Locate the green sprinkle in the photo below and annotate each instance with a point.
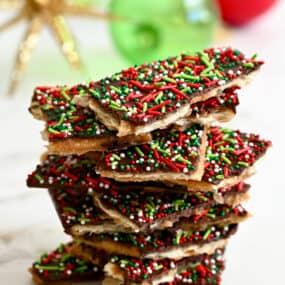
(185, 90)
(201, 197)
(64, 257)
(185, 76)
(218, 74)
(226, 130)
(46, 107)
(254, 56)
(220, 176)
(65, 95)
(177, 238)
(204, 58)
(124, 261)
(82, 92)
(95, 93)
(83, 219)
(178, 204)
(212, 156)
(114, 164)
(211, 215)
(61, 120)
(226, 136)
(158, 267)
(207, 233)
(226, 160)
(168, 79)
(230, 140)
(159, 83)
(114, 103)
(206, 71)
(82, 268)
(188, 69)
(230, 149)
(243, 163)
(181, 159)
(50, 267)
(68, 209)
(53, 131)
(38, 177)
(158, 97)
(187, 234)
(166, 152)
(163, 109)
(144, 107)
(248, 65)
(118, 108)
(139, 151)
(115, 156)
(116, 89)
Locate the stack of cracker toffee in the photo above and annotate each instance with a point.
(147, 187)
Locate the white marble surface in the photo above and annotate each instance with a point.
(28, 224)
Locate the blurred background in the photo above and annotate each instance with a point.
(93, 38)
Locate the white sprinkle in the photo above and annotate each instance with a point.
(185, 170)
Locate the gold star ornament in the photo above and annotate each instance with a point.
(45, 12)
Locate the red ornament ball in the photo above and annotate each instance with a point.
(241, 12)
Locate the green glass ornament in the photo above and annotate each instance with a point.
(153, 29)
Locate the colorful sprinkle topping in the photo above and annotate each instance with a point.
(164, 239)
(79, 172)
(228, 99)
(65, 119)
(75, 171)
(230, 152)
(147, 92)
(66, 171)
(146, 269)
(175, 151)
(215, 213)
(75, 207)
(141, 269)
(61, 265)
(206, 272)
(148, 208)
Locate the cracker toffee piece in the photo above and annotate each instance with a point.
(145, 212)
(218, 215)
(221, 108)
(162, 244)
(154, 95)
(79, 172)
(230, 158)
(71, 129)
(199, 269)
(75, 171)
(172, 154)
(60, 267)
(78, 214)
